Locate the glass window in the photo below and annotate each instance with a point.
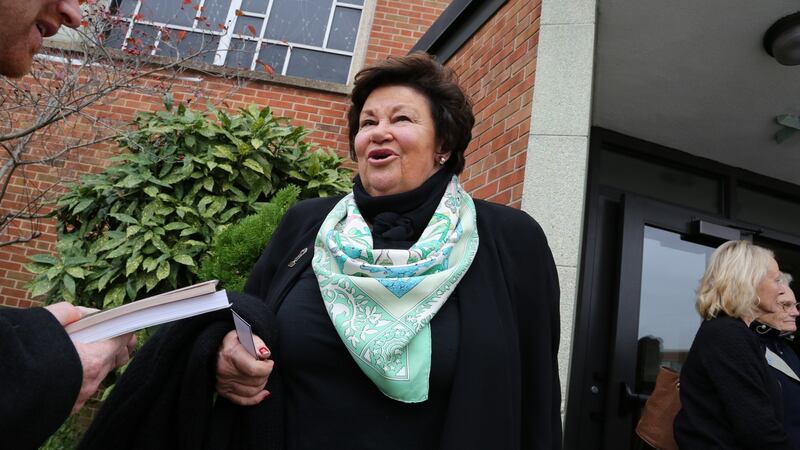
(668, 320)
(344, 29)
(299, 21)
(272, 55)
(319, 65)
(182, 44)
(240, 54)
(303, 38)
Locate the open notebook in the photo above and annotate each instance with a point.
(147, 312)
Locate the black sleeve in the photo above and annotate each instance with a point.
(40, 375)
(735, 360)
(534, 286)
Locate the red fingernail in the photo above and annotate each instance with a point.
(268, 394)
(263, 350)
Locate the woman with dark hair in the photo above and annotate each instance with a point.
(406, 314)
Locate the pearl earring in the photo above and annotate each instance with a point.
(442, 160)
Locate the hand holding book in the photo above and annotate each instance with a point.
(167, 307)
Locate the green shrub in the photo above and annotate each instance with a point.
(66, 437)
(236, 248)
(142, 226)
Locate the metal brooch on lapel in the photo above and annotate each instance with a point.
(297, 258)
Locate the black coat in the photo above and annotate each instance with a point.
(506, 392)
(790, 388)
(165, 399)
(40, 377)
(505, 395)
(729, 398)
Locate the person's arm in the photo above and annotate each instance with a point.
(239, 377)
(533, 282)
(736, 363)
(40, 376)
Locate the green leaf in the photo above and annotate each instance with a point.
(69, 284)
(119, 251)
(159, 244)
(131, 181)
(149, 264)
(76, 272)
(176, 226)
(40, 287)
(152, 191)
(101, 285)
(124, 218)
(223, 151)
(189, 140)
(227, 215)
(163, 270)
(132, 264)
(188, 231)
(82, 205)
(53, 272)
(132, 230)
(150, 281)
(253, 165)
(36, 268)
(184, 259)
(114, 297)
(226, 168)
(43, 258)
(256, 143)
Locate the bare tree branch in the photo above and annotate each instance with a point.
(62, 108)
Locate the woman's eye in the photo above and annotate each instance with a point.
(402, 119)
(366, 123)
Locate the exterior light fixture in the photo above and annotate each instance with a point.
(782, 40)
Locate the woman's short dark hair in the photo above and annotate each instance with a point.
(450, 107)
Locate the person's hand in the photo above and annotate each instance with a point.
(240, 377)
(97, 358)
(65, 313)
(100, 358)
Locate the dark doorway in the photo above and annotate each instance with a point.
(654, 216)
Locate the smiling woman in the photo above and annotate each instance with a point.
(396, 144)
(422, 319)
(33, 20)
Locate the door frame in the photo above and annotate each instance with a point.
(589, 389)
(639, 212)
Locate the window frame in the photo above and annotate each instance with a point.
(227, 35)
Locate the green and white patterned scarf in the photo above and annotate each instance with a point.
(382, 301)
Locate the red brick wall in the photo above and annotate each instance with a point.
(397, 27)
(496, 68)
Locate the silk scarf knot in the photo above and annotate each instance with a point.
(381, 301)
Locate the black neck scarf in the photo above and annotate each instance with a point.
(398, 220)
(766, 330)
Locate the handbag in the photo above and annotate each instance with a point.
(658, 415)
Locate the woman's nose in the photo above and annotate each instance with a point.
(70, 12)
(380, 133)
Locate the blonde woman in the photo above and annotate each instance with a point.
(729, 397)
